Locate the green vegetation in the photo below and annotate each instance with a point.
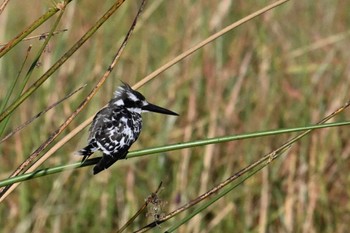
(287, 68)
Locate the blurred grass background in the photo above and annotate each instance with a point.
(287, 68)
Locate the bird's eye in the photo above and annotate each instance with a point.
(139, 104)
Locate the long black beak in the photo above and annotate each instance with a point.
(154, 108)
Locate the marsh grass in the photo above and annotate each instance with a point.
(269, 73)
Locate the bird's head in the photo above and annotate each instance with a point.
(134, 101)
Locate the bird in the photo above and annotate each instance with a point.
(117, 126)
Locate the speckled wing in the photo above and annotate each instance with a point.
(114, 130)
(95, 126)
(97, 122)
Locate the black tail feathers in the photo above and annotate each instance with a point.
(107, 160)
(86, 151)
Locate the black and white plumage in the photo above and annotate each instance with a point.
(116, 127)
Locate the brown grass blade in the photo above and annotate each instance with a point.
(40, 114)
(268, 158)
(8, 189)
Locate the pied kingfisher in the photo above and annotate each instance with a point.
(116, 127)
